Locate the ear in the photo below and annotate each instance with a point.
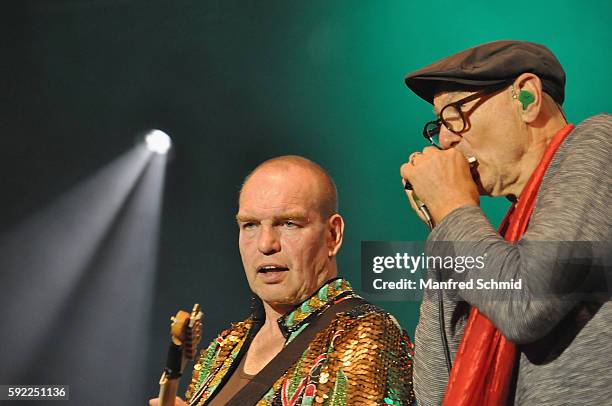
(335, 234)
(529, 103)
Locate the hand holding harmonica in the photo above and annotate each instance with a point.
(438, 182)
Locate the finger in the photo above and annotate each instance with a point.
(414, 156)
(410, 156)
(430, 150)
(459, 156)
(154, 402)
(405, 171)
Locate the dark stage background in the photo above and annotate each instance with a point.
(234, 83)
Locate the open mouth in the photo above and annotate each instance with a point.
(271, 268)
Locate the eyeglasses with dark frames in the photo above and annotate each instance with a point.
(453, 118)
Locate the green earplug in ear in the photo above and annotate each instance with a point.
(526, 98)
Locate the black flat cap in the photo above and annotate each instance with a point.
(490, 64)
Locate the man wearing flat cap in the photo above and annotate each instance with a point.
(539, 331)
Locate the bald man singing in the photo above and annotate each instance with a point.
(310, 339)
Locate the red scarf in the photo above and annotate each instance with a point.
(484, 363)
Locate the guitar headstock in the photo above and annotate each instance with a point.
(194, 332)
(186, 332)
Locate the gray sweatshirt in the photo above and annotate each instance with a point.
(563, 332)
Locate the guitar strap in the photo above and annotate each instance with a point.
(289, 355)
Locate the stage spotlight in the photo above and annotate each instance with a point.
(158, 141)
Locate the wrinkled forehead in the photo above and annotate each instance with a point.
(445, 98)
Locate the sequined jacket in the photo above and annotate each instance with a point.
(362, 358)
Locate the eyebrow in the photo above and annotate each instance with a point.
(446, 99)
(300, 216)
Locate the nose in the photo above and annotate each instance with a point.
(268, 242)
(448, 139)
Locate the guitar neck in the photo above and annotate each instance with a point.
(167, 391)
(169, 381)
